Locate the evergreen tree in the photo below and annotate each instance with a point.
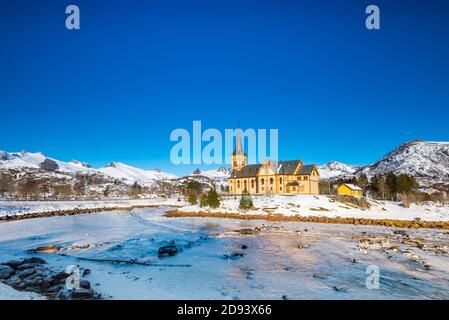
(212, 198)
(194, 186)
(363, 182)
(192, 198)
(246, 202)
(391, 182)
(203, 200)
(406, 184)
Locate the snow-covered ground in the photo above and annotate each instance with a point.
(8, 293)
(324, 206)
(301, 205)
(29, 207)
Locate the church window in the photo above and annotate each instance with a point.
(271, 180)
(252, 183)
(306, 178)
(280, 180)
(238, 184)
(262, 181)
(245, 184)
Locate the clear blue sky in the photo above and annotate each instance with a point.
(114, 90)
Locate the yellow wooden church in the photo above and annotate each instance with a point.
(271, 177)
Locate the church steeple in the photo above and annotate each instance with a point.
(238, 156)
(238, 142)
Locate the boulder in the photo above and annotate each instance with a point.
(60, 276)
(25, 266)
(84, 284)
(34, 260)
(6, 272)
(168, 250)
(26, 273)
(82, 294)
(13, 263)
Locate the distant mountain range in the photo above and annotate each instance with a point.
(44, 165)
(427, 161)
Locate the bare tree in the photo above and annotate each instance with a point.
(29, 188)
(80, 185)
(63, 191)
(6, 185)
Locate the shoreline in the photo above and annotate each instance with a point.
(72, 212)
(391, 223)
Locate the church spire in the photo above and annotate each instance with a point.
(238, 156)
(238, 141)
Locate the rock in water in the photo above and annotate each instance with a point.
(168, 250)
(45, 249)
(86, 272)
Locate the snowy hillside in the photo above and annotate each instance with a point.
(427, 161)
(14, 160)
(52, 167)
(130, 174)
(218, 177)
(334, 169)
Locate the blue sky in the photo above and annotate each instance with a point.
(114, 90)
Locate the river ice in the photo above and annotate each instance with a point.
(235, 259)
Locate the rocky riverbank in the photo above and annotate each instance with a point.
(71, 212)
(34, 275)
(411, 224)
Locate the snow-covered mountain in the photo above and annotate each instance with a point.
(427, 161)
(215, 177)
(130, 174)
(335, 169)
(14, 160)
(52, 167)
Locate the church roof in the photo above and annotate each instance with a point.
(307, 169)
(287, 167)
(250, 170)
(280, 167)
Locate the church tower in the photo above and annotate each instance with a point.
(238, 156)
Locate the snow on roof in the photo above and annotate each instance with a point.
(352, 186)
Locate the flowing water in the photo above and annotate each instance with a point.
(236, 259)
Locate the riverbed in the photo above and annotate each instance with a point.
(221, 258)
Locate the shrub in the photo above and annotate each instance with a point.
(246, 202)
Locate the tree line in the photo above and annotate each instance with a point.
(32, 187)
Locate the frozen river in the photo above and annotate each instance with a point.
(236, 259)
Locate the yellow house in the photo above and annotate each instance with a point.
(350, 190)
(271, 177)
